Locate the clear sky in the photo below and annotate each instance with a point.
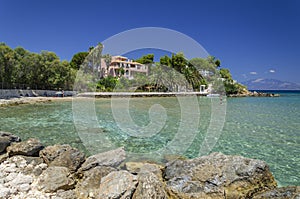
(253, 38)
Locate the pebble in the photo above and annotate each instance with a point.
(10, 177)
(4, 192)
(17, 179)
(24, 187)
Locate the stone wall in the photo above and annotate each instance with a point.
(13, 93)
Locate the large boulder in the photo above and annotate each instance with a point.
(30, 147)
(88, 186)
(110, 158)
(6, 139)
(218, 176)
(280, 193)
(55, 178)
(118, 184)
(64, 156)
(149, 187)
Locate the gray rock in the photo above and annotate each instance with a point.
(64, 156)
(280, 193)
(218, 175)
(24, 187)
(49, 153)
(33, 160)
(110, 158)
(38, 169)
(10, 177)
(61, 194)
(149, 187)
(6, 139)
(118, 185)
(136, 167)
(88, 186)
(10, 168)
(30, 147)
(4, 192)
(3, 157)
(20, 179)
(55, 178)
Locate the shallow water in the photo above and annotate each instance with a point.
(262, 128)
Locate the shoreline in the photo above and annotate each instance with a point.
(31, 170)
(15, 101)
(31, 100)
(139, 94)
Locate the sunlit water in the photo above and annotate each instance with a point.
(262, 128)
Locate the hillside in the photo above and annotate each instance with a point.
(270, 84)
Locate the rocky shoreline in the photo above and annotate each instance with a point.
(31, 100)
(254, 94)
(30, 170)
(36, 100)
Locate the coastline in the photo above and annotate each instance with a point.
(14, 101)
(31, 100)
(31, 170)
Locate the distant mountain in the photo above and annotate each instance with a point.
(270, 84)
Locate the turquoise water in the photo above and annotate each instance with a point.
(263, 128)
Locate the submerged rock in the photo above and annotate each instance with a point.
(30, 147)
(6, 139)
(64, 156)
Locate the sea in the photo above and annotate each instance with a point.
(265, 128)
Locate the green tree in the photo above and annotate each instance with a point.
(203, 64)
(146, 59)
(178, 62)
(8, 62)
(107, 84)
(225, 73)
(165, 61)
(37, 71)
(212, 60)
(78, 59)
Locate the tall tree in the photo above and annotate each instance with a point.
(165, 61)
(78, 59)
(8, 61)
(146, 59)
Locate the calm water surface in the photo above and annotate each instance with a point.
(263, 128)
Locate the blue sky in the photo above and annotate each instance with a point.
(253, 38)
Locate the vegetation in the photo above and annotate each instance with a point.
(21, 68)
(146, 59)
(231, 87)
(78, 59)
(44, 70)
